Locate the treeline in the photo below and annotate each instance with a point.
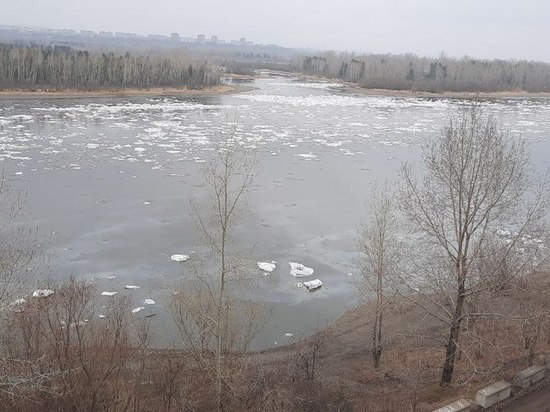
(65, 67)
(410, 72)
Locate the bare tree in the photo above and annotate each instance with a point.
(410, 72)
(309, 352)
(379, 248)
(19, 246)
(476, 180)
(209, 317)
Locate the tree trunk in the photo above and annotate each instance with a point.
(448, 367)
(377, 339)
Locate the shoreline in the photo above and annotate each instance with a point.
(225, 89)
(355, 88)
(39, 93)
(445, 95)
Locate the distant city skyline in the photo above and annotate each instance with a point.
(486, 29)
(181, 36)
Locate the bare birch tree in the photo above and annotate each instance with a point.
(378, 244)
(476, 181)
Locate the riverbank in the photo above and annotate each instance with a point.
(414, 351)
(518, 94)
(39, 93)
(355, 88)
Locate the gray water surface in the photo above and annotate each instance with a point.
(108, 181)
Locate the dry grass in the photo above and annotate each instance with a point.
(331, 370)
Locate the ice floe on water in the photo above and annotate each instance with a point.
(42, 293)
(64, 324)
(313, 284)
(307, 156)
(522, 242)
(107, 293)
(131, 287)
(319, 85)
(164, 131)
(179, 258)
(138, 309)
(267, 266)
(19, 301)
(298, 270)
(149, 302)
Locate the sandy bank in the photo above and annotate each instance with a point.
(39, 93)
(518, 94)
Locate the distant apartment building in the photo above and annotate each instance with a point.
(214, 39)
(175, 37)
(159, 38)
(201, 38)
(241, 42)
(64, 32)
(122, 35)
(106, 33)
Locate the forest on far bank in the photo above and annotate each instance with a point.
(410, 72)
(63, 67)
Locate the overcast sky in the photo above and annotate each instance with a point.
(479, 28)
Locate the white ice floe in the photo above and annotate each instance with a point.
(307, 156)
(108, 293)
(502, 232)
(298, 270)
(266, 266)
(42, 293)
(138, 309)
(149, 302)
(313, 284)
(76, 324)
(289, 335)
(131, 287)
(101, 316)
(179, 258)
(18, 302)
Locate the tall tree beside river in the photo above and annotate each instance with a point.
(476, 183)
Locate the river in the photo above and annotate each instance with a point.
(108, 183)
